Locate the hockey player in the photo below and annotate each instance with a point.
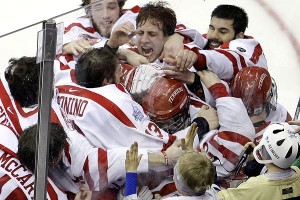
(16, 181)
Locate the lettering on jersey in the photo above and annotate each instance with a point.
(271, 148)
(3, 117)
(14, 168)
(261, 80)
(73, 106)
(137, 114)
(241, 49)
(174, 94)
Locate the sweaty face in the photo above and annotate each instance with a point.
(105, 13)
(220, 31)
(150, 40)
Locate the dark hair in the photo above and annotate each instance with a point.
(27, 145)
(157, 12)
(239, 16)
(22, 76)
(95, 66)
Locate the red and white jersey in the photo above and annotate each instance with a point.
(82, 27)
(225, 145)
(11, 112)
(108, 116)
(16, 181)
(231, 57)
(84, 163)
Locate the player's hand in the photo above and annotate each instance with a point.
(211, 116)
(132, 158)
(184, 59)
(121, 34)
(174, 152)
(208, 78)
(185, 76)
(296, 122)
(77, 47)
(133, 58)
(188, 141)
(172, 46)
(84, 194)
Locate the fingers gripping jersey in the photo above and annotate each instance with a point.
(17, 182)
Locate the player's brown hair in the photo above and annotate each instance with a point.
(159, 15)
(95, 66)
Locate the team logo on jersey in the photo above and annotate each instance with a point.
(137, 114)
(241, 49)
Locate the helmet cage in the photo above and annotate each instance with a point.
(175, 123)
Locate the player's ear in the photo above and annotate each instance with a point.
(240, 35)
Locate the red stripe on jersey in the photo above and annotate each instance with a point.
(73, 77)
(18, 194)
(243, 62)
(10, 111)
(197, 104)
(231, 58)
(67, 152)
(23, 113)
(88, 177)
(3, 180)
(218, 90)
(167, 189)
(51, 192)
(256, 54)
(121, 87)
(135, 9)
(54, 117)
(99, 99)
(8, 151)
(103, 167)
(79, 25)
(232, 137)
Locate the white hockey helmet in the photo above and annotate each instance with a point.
(279, 145)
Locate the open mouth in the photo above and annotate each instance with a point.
(147, 51)
(214, 44)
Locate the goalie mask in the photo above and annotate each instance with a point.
(167, 103)
(279, 145)
(256, 88)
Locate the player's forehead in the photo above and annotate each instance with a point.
(221, 23)
(150, 26)
(104, 2)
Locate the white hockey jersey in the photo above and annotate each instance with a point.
(108, 116)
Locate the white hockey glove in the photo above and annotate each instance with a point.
(139, 80)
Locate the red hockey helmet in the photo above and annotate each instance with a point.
(167, 103)
(256, 88)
